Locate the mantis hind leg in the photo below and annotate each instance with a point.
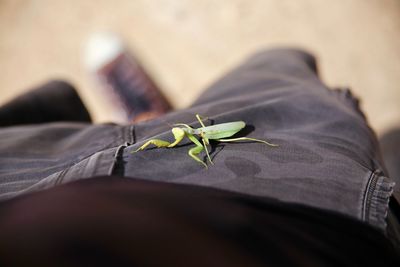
(246, 139)
(206, 149)
(193, 152)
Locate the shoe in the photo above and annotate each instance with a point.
(131, 91)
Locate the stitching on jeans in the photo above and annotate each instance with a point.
(365, 209)
(117, 156)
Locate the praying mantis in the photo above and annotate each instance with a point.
(217, 132)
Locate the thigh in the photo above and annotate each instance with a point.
(326, 155)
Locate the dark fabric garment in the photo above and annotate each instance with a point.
(45, 136)
(51, 102)
(327, 156)
(111, 221)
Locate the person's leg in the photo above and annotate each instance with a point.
(327, 156)
(53, 101)
(269, 69)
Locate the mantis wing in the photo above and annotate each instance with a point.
(222, 130)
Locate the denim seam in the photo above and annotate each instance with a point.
(109, 145)
(117, 157)
(125, 134)
(376, 200)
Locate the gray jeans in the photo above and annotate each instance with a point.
(327, 156)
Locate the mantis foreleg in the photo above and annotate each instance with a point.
(157, 142)
(178, 133)
(183, 124)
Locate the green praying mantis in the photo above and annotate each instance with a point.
(217, 132)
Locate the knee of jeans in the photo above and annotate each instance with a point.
(284, 56)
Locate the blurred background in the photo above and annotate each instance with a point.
(188, 44)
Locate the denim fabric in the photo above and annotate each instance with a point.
(327, 155)
(40, 156)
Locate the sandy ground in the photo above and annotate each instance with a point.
(187, 44)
